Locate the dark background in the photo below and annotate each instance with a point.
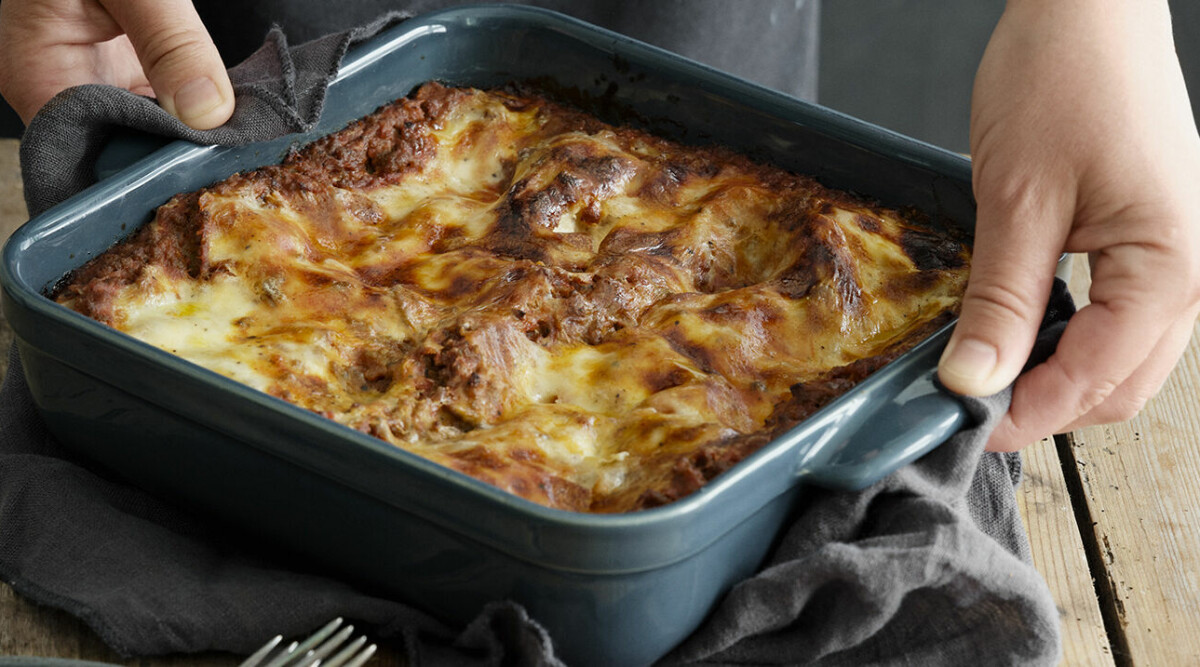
(908, 64)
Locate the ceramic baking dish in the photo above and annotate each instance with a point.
(611, 589)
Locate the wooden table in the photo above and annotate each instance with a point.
(1109, 511)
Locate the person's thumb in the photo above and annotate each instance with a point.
(1017, 242)
(180, 60)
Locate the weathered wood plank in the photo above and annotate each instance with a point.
(1058, 554)
(12, 201)
(1141, 482)
(12, 215)
(26, 629)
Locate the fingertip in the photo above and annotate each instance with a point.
(970, 366)
(179, 58)
(200, 103)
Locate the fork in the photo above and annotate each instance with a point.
(312, 651)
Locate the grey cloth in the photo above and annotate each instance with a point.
(278, 89)
(928, 567)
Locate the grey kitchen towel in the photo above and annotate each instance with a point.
(927, 567)
(279, 89)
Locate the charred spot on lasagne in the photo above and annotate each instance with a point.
(587, 316)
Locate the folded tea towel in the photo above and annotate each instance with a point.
(930, 566)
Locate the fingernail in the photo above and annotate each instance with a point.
(196, 99)
(970, 363)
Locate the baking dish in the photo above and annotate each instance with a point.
(611, 589)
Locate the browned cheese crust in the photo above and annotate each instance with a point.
(587, 316)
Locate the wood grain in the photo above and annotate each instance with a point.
(1058, 554)
(1140, 482)
(27, 629)
(12, 201)
(12, 215)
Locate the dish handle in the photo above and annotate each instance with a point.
(894, 422)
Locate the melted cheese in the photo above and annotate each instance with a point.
(587, 316)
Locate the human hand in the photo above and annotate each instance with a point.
(151, 47)
(1083, 140)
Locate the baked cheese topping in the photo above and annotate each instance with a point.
(585, 315)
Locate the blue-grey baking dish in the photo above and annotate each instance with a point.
(611, 589)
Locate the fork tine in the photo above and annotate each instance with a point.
(344, 654)
(261, 653)
(328, 647)
(304, 647)
(362, 657)
(312, 651)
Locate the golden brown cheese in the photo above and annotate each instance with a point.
(587, 316)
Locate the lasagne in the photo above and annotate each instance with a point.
(585, 315)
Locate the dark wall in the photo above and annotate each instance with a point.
(1185, 16)
(908, 65)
